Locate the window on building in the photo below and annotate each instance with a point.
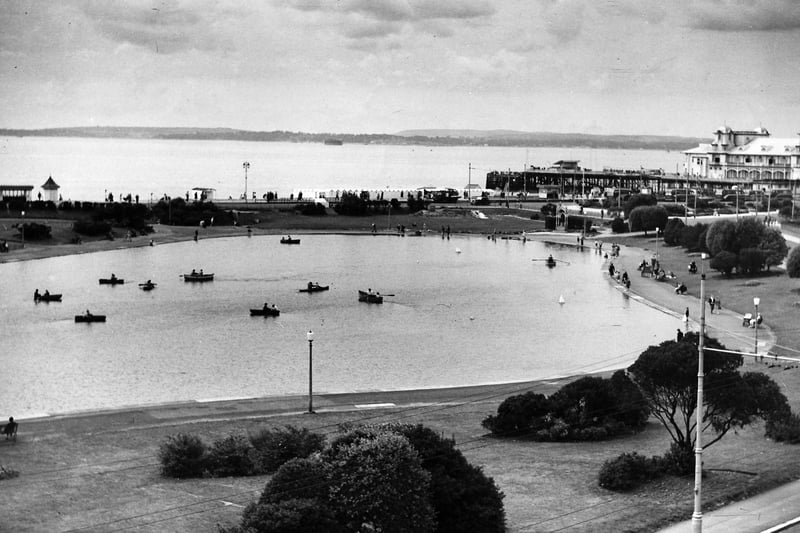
(747, 160)
(716, 159)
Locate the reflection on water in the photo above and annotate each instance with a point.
(487, 314)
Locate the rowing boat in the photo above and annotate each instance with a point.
(370, 297)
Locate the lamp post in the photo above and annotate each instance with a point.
(22, 228)
(756, 301)
(245, 165)
(657, 229)
(697, 515)
(310, 337)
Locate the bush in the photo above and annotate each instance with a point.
(91, 228)
(183, 456)
(793, 263)
(784, 428)
(304, 478)
(678, 461)
(311, 209)
(273, 447)
(231, 456)
(287, 516)
(618, 225)
(463, 497)
(34, 231)
(626, 472)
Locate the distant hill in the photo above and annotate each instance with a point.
(407, 137)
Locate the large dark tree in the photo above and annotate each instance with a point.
(667, 376)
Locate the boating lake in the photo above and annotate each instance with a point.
(485, 315)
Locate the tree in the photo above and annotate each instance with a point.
(667, 376)
(751, 260)
(380, 483)
(637, 200)
(721, 236)
(644, 218)
(724, 262)
(673, 230)
(773, 246)
(749, 231)
(520, 414)
(793, 264)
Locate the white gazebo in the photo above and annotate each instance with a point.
(50, 189)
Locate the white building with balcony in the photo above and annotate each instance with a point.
(750, 159)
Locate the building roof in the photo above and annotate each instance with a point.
(50, 185)
(758, 146)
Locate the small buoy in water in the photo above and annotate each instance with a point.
(458, 250)
(472, 318)
(561, 299)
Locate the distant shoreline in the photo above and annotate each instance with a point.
(492, 138)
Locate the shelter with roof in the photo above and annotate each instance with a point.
(15, 192)
(50, 188)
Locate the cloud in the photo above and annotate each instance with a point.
(401, 10)
(165, 26)
(744, 15)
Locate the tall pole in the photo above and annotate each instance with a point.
(22, 229)
(756, 301)
(657, 244)
(469, 183)
(697, 516)
(310, 337)
(245, 165)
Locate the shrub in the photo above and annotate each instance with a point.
(519, 414)
(311, 209)
(626, 472)
(784, 428)
(678, 461)
(288, 516)
(273, 447)
(618, 225)
(304, 478)
(183, 456)
(91, 228)
(231, 456)
(793, 263)
(34, 231)
(463, 497)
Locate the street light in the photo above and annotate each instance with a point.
(245, 165)
(310, 337)
(697, 515)
(22, 229)
(756, 301)
(657, 243)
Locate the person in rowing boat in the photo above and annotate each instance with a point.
(113, 277)
(36, 295)
(194, 272)
(46, 293)
(88, 313)
(310, 285)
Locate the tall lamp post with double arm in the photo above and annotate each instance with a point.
(756, 301)
(245, 166)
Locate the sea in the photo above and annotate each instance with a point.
(89, 169)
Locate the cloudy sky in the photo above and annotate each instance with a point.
(681, 67)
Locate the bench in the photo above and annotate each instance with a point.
(647, 270)
(746, 319)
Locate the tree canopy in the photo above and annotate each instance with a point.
(667, 376)
(750, 243)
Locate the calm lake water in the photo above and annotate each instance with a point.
(487, 314)
(87, 168)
